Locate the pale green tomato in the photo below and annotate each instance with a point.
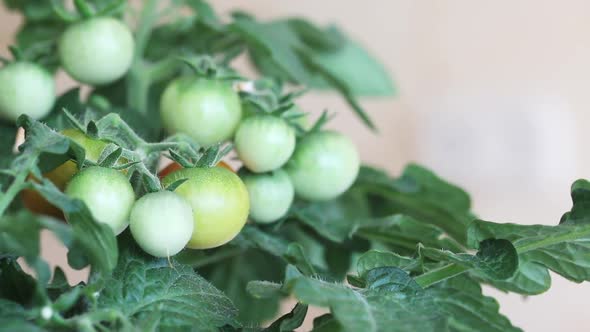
(93, 147)
(219, 200)
(207, 110)
(107, 193)
(324, 165)
(271, 195)
(97, 51)
(25, 88)
(161, 223)
(264, 142)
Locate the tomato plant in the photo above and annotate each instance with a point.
(219, 201)
(379, 252)
(207, 110)
(21, 83)
(96, 51)
(107, 193)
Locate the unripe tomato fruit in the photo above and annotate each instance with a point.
(107, 193)
(219, 200)
(97, 51)
(271, 195)
(207, 110)
(174, 166)
(25, 88)
(264, 142)
(161, 223)
(60, 175)
(324, 165)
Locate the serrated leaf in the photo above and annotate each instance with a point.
(564, 249)
(374, 258)
(403, 233)
(142, 286)
(15, 284)
(402, 308)
(290, 321)
(421, 194)
(496, 258)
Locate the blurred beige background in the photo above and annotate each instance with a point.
(493, 96)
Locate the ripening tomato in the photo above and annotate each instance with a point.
(25, 88)
(324, 165)
(207, 110)
(107, 193)
(174, 166)
(161, 223)
(219, 200)
(97, 51)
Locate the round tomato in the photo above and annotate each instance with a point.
(264, 142)
(25, 88)
(97, 51)
(107, 193)
(219, 200)
(324, 165)
(161, 223)
(271, 194)
(174, 166)
(207, 110)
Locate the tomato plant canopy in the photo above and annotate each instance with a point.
(214, 250)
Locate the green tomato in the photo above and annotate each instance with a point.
(97, 51)
(25, 88)
(219, 200)
(161, 223)
(93, 147)
(207, 110)
(264, 142)
(271, 195)
(324, 165)
(107, 193)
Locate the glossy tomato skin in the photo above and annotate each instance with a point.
(60, 176)
(264, 142)
(25, 88)
(174, 166)
(207, 110)
(219, 200)
(324, 165)
(97, 51)
(107, 193)
(161, 223)
(271, 195)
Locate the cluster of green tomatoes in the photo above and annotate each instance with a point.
(213, 204)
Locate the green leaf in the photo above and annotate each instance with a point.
(394, 302)
(421, 194)
(289, 321)
(564, 249)
(233, 275)
(142, 286)
(353, 65)
(496, 258)
(402, 234)
(374, 259)
(93, 242)
(335, 220)
(20, 236)
(15, 284)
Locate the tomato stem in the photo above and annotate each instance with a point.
(16, 186)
